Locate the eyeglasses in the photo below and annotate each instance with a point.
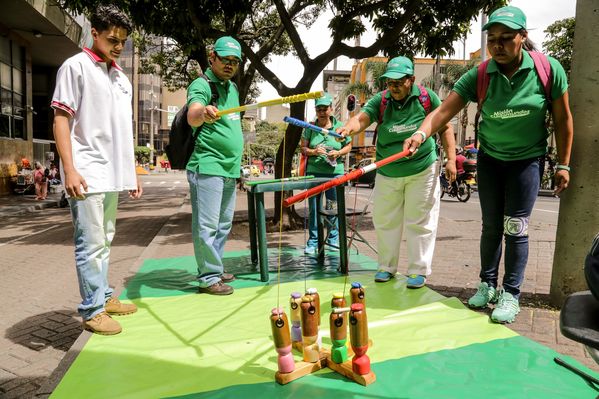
(228, 61)
(397, 83)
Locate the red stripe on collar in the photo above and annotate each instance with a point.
(96, 58)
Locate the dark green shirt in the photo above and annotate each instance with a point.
(512, 123)
(319, 164)
(400, 121)
(219, 146)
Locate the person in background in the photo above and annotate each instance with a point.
(406, 196)
(41, 182)
(323, 152)
(513, 140)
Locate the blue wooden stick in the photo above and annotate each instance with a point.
(306, 125)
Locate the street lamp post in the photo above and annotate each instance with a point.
(152, 108)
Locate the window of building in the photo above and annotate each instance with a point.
(12, 89)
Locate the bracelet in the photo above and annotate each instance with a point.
(420, 132)
(562, 167)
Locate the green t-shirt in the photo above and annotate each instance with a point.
(400, 122)
(219, 146)
(512, 123)
(319, 164)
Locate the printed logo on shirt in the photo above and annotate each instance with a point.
(402, 128)
(123, 89)
(233, 117)
(509, 114)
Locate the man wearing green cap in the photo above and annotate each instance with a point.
(323, 152)
(406, 196)
(513, 140)
(214, 166)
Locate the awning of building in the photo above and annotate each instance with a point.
(53, 34)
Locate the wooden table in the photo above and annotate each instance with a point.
(257, 220)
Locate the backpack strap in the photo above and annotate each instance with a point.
(482, 84)
(214, 96)
(382, 108)
(543, 68)
(424, 99)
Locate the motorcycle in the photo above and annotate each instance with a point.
(460, 188)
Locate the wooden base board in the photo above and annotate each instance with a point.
(304, 368)
(301, 369)
(346, 370)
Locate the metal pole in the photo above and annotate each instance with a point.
(483, 38)
(152, 121)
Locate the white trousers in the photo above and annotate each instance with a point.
(410, 203)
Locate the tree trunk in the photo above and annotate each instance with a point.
(578, 217)
(283, 165)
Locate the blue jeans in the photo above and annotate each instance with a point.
(330, 195)
(94, 220)
(507, 191)
(212, 207)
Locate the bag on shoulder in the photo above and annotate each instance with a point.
(181, 136)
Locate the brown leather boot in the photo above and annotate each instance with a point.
(102, 324)
(227, 277)
(217, 289)
(114, 307)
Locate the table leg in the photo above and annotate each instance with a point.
(252, 226)
(321, 243)
(343, 254)
(262, 247)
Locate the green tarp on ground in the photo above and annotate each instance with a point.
(181, 344)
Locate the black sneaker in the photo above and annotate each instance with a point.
(217, 289)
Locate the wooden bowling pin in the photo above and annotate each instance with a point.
(357, 293)
(280, 334)
(338, 326)
(358, 329)
(296, 316)
(310, 345)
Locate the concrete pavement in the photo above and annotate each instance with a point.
(40, 295)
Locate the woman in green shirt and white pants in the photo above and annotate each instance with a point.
(406, 196)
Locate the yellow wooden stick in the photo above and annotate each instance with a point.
(282, 100)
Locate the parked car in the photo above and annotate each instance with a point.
(367, 178)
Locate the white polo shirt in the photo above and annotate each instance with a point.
(99, 101)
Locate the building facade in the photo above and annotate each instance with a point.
(35, 38)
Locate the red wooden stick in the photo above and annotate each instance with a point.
(354, 174)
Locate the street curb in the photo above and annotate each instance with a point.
(16, 210)
(50, 385)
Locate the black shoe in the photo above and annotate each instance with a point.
(217, 289)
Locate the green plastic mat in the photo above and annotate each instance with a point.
(177, 276)
(424, 346)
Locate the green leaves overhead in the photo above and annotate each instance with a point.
(560, 41)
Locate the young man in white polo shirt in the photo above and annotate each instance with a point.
(93, 133)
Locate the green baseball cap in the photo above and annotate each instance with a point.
(325, 100)
(226, 46)
(510, 16)
(398, 67)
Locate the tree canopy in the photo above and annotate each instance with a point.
(269, 27)
(560, 42)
